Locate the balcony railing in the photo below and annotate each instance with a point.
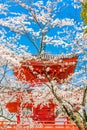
(59, 125)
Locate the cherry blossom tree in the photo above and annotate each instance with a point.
(41, 24)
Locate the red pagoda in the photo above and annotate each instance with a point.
(40, 70)
(36, 71)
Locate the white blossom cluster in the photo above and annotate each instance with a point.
(38, 25)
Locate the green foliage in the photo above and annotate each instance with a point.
(78, 118)
(84, 12)
(85, 30)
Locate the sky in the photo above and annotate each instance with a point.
(67, 12)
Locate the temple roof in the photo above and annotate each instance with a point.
(46, 56)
